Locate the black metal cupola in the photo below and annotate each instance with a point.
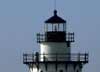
(55, 28)
(55, 23)
(55, 19)
(55, 31)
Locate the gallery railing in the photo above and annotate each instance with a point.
(43, 37)
(73, 57)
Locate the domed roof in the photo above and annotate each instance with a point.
(55, 19)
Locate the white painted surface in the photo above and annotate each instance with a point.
(51, 68)
(33, 69)
(54, 48)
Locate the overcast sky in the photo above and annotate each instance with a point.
(20, 20)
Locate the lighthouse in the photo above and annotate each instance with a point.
(55, 49)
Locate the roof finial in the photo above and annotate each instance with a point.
(55, 12)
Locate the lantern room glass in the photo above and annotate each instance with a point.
(54, 27)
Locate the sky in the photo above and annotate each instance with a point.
(20, 20)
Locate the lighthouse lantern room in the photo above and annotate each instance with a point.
(55, 49)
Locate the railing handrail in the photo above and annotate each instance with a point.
(42, 38)
(63, 57)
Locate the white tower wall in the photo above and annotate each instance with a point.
(51, 48)
(54, 47)
(51, 68)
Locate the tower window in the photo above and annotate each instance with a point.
(61, 71)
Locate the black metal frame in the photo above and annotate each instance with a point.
(69, 58)
(42, 37)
